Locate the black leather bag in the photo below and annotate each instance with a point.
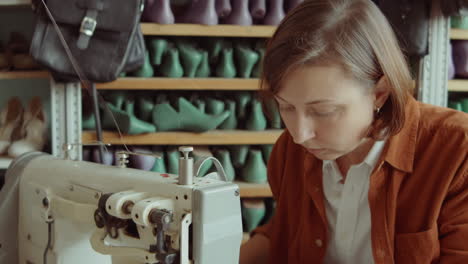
(453, 7)
(103, 38)
(410, 20)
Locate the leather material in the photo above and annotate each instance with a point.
(453, 7)
(115, 15)
(83, 40)
(136, 52)
(116, 44)
(410, 20)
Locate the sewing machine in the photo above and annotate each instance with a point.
(80, 212)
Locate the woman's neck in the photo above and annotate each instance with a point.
(354, 157)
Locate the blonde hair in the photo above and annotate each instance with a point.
(353, 34)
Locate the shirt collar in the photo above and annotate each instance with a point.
(370, 160)
(401, 147)
(333, 170)
(374, 153)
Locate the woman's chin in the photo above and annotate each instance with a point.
(323, 154)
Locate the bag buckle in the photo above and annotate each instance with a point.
(88, 25)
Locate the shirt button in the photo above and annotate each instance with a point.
(318, 242)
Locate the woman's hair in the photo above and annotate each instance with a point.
(352, 34)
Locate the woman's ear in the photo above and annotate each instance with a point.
(381, 91)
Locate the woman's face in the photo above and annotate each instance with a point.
(326, 112)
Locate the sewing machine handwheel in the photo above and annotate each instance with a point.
(113, 232)
(99, 219)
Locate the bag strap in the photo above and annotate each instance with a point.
(89, 22)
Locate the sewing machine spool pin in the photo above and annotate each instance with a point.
(185, 166)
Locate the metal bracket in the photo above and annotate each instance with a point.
(67, 148)
(184, 238)
(65, 119)
(433, 74)
(88, 25)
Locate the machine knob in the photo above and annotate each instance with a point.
(185, 150)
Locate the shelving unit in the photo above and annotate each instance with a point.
(151, 29)
(220, 137)
(5, 161)
(66, 98)
(217, 137)
(7, 3)
(458, 33)
(130, 83)
(252, 190)
(24, 75)
(458, 85)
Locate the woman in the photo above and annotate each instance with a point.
(363, 172)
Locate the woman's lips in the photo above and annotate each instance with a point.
(315, 151)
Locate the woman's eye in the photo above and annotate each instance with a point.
(323, 112)
(286, 108)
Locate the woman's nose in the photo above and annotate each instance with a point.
(303, 130)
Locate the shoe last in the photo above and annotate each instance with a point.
(10, 121)
(33, 128)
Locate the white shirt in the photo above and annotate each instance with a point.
(347, 209)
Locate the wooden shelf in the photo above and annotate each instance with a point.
(6, 3)
(5, 162)
(24, 75)
(252, 190)
(153, 29)
(245, 237)
(216, 137)
(456, 33)
(458, 85)
(135, 83)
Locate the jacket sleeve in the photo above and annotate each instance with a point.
(275, 177)
(453, 218)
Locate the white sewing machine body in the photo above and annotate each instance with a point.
(135, 210)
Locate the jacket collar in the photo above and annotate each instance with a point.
(401, 147)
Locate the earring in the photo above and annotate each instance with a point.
(377, 111)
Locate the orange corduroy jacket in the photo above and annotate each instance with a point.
(418, 195)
